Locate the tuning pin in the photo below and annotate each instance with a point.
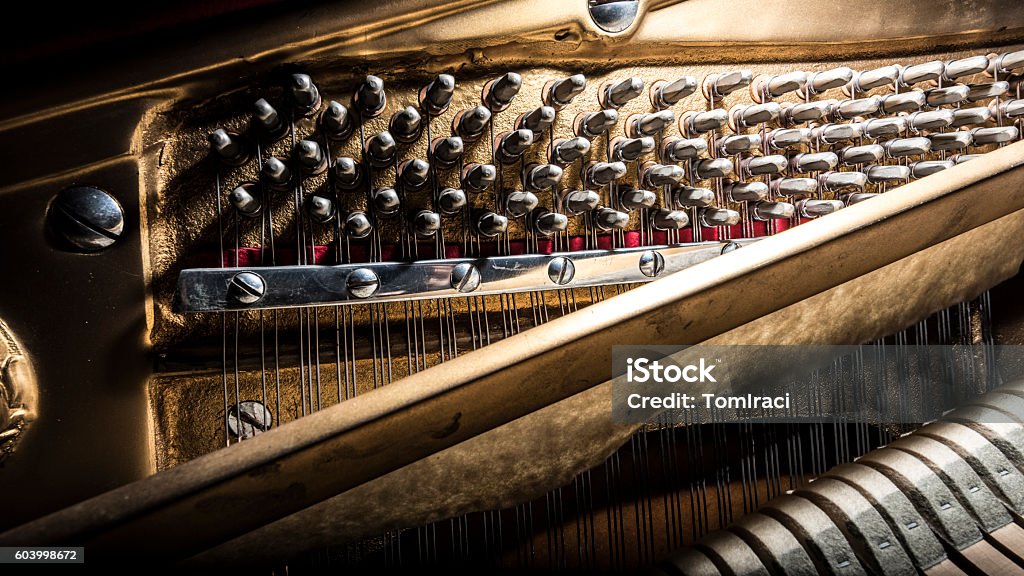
(988, 91)
(929, 167)
(794, 186)
(1010, 108)
(320, 209)
(949, 95)
(498, 93)
(347, 174)
(693, 124)
(711, 217)
(738, 144)
(451, 201)
(665, 94)
(1005, 63)
(836, 133)
(580, 201)
(385, 201)
(664, 219)
(870, 79)
(489, 224)
(559, 93)
(712, 168)
(744, 116)
(617, 94)
(961, 158)
(478, 177)
(763, 165)
(930, 120)
(424, 224)
(633, 198)
(887, 173)
(406, 125)
(773, 210)
(764, 88)
(814, 162)
(745, 191)
(970, 116)
(631, 149)
(446, 152)
(783, 138)
(565, 151)
(380, 149)
(593, 124)
(899, 147)
(509, 146)
(541, 176)
(471, 124)
(857, 197)
(903, 102)
(370, 98)
(601, 173)
(546, 222)
(818, 82)
(245, 199)
(414, 174)
(680, 149)
(965, 67)
(842, 181)
(305, 95)
(721, 85)
(228, 147)
(925, 72)
(275, 174)
(690, 196)
(268, 120)
(849, 109)
(868, 153)
(951, 140)
(995, 135)
(336, 122)
(437, 96)
(650, 124)
(310, 157)
(661, 174)
(607, 219)
(537, 120)
(879, 127)
(519, 202)
(358, 225)
(812, 208)
(806, 111)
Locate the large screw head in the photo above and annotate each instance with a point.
(561, 270)
(465, 277)
(255, 419)
(88, 218)
(247, 287)
(613, 15)
(362, 283)
(652, 263)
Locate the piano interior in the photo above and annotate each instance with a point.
(337, 288)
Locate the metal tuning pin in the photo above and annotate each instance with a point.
(681, 149)
(310, 157)
(370, 98)
(965, 67)
(542, 176)
(721, 85)
(608, 219)
(581, 201)
(970, 116)
(712, 168)
(690, 196)
(478, 177)
(245, 199)
(745, 191)
(879, 174)
(773, 210)
(818, 82)
(380, 149)
(806, 111)
(451, 201)
(414, 174)
(949, 95)
(665, 94)
(871, 79)
(994, 135)
(929, 167)
(744, 116)
(857, 197)
(650, 124)
(335, 122)
(763, 165)
(665, 219)
(519, 203)
(738, 144)
(1005, 63)
(498, 93)
(661, 174)
(275, 174)
(925, 72)
(602, 173)
(866, 154)
(471, 124)
(951, 141)
(617, 94)
(509, 146)
(812, 208)
(1009, 109)
(794, 186)
(693, 124)
(930, 120)
(385, 201)
(559, 93)
(850, 109)
(305, 95)
(320, 209)
(268, 121)
(711, 217)
(631, 149)
(842, 181)
(489, 224)
(546, 222)
(348, 175)
(814, 162)
(988, 91)
(565, 151)
(437, 96)
(635, 198)
(358, 225)
(900, 147)
(228, 147)
(836, 133)
(590, 125)
(880, 127)
(904, 102)
(425, 224)
(537, 120)
(783, 138)
(961, 158)
(406, 125)
(765, 88)
(446, 152)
